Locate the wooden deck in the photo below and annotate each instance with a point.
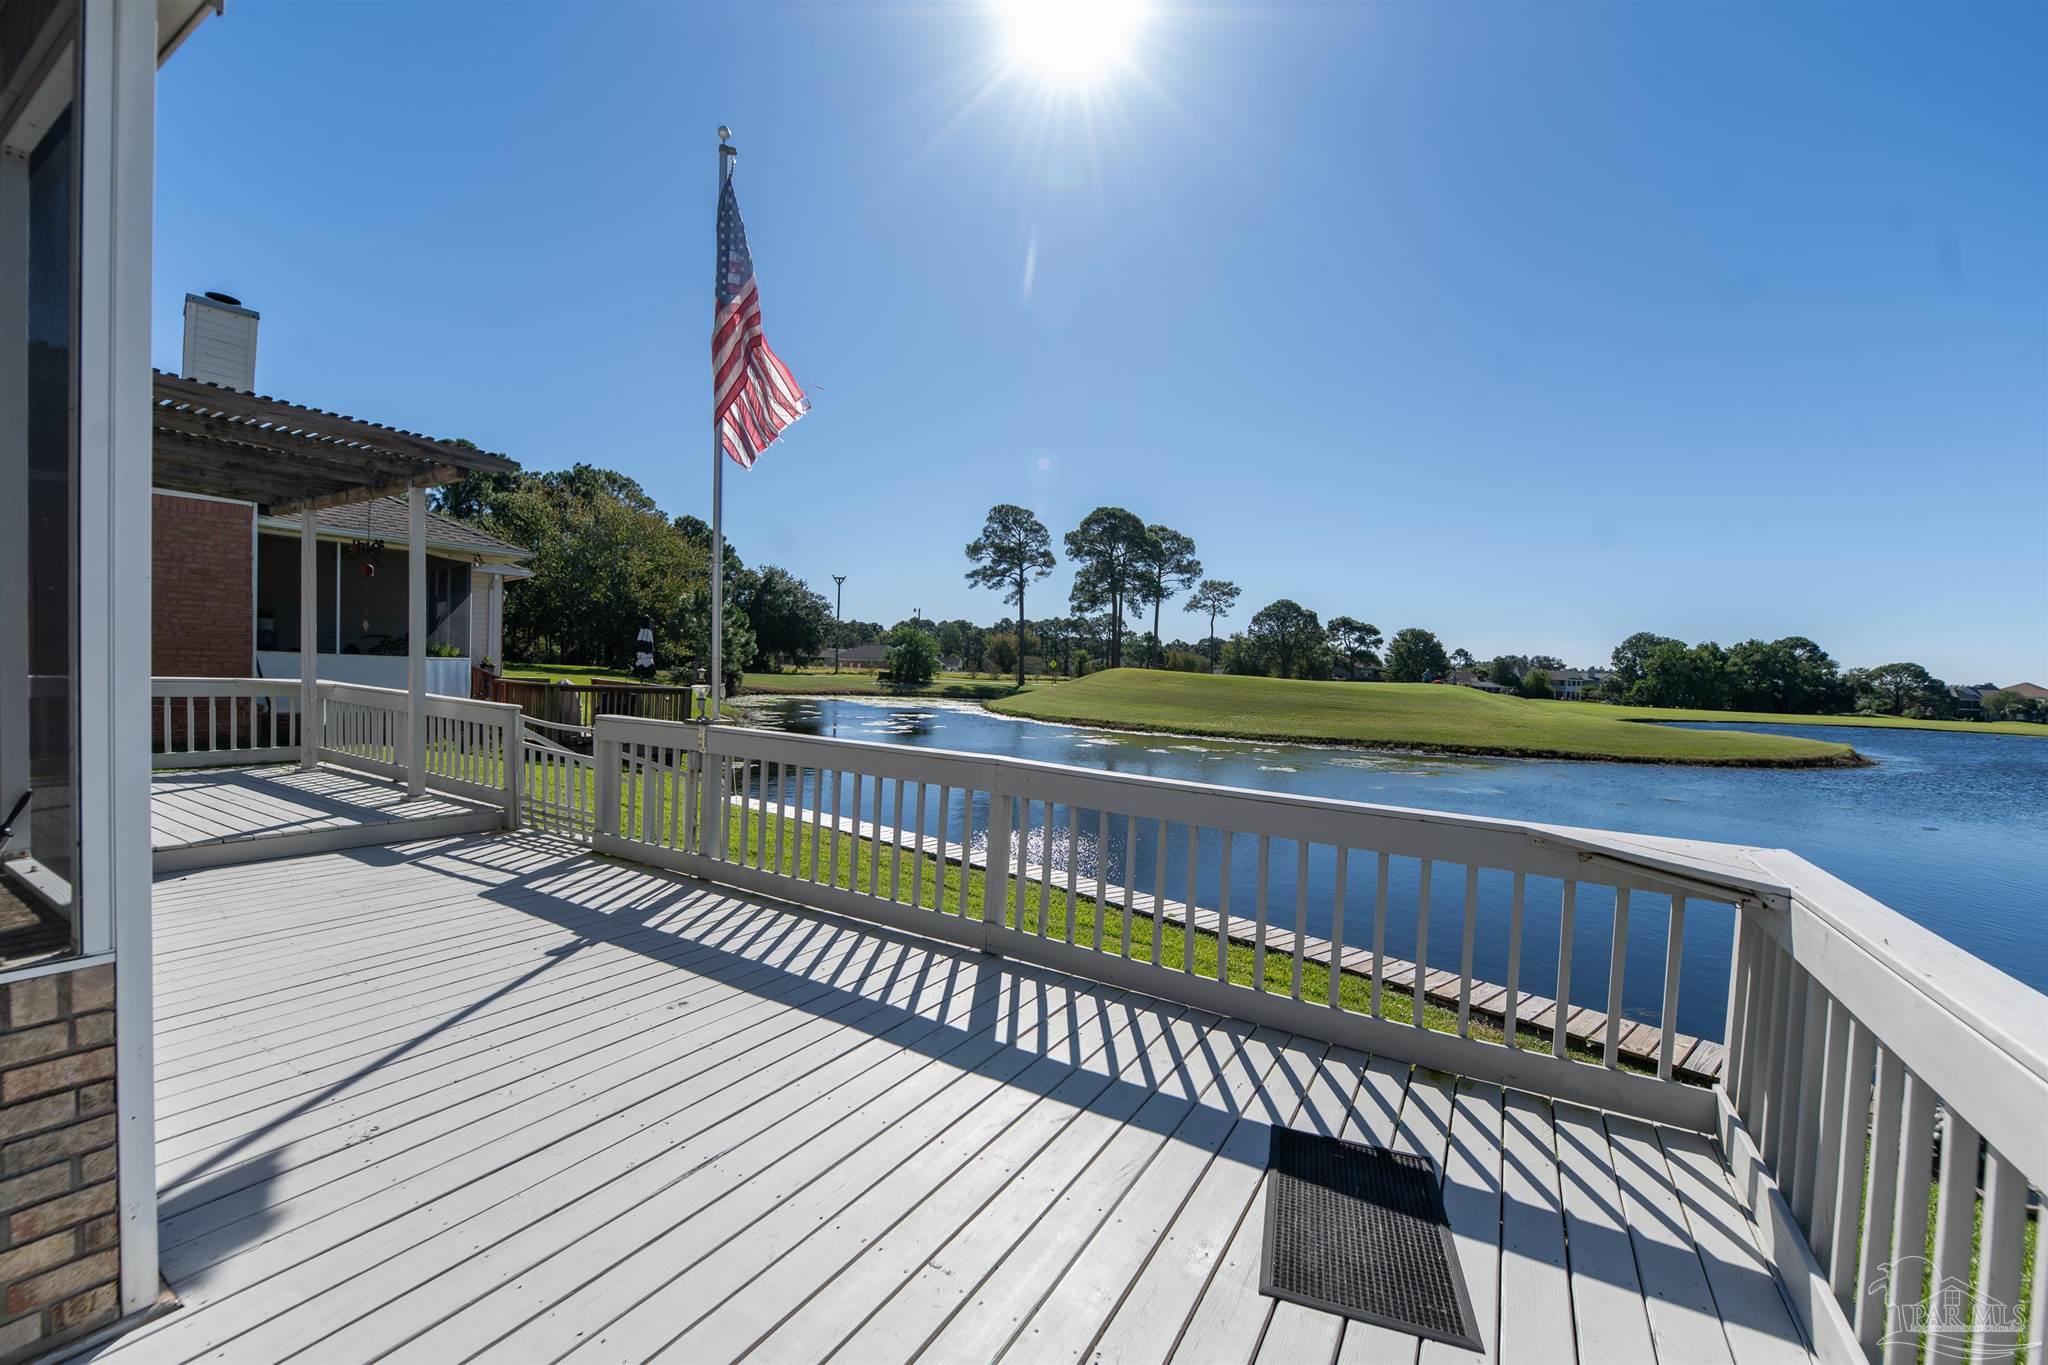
(207, 817)
(494, 1098)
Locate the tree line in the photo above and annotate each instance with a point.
(1792, 676)
(607, 561)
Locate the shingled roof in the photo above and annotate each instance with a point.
(286, 458)
(385, 519)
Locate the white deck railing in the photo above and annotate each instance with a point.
(1849, 1029)
(472, 748)
(205, 722)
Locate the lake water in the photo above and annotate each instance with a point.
(1950, 829)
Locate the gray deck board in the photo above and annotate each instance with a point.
(489, 1097)
(206, 817)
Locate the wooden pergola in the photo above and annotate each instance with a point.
(285, 458)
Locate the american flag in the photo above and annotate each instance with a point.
(755, 395)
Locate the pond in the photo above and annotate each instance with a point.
(1948, 828)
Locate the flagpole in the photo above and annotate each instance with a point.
(726, 153)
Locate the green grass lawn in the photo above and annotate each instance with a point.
(1655, 713)
(569, 673)
(1395, 715)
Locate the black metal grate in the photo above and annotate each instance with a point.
(1361, 1231)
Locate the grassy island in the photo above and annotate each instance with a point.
(1415, 716)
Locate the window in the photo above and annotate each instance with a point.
(39, 520)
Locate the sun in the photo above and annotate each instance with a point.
(1069, 42)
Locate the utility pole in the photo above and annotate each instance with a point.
(838, 596)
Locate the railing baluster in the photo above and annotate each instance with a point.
(1073, 870)
(2004, 1244)
(1187, 938)
(875, 840)
(1907, 1269)
(996, 900)
(1667, 1020)
(1849, 1164)
(1045, 869)
(1129, 887)
(1807, 1138)
(1465, 951)
(1259, 914)
(818, 823)
(1159, 901)
(1335, 988)
(1229, 837)
(1827, 1146)
(1511, 1015)
(1379, 933)
(1561, 1006)
(1300, 915)
(853, 855)
(1421, 982)
(1759, 1076)
(1101, 874)
(896, 844)
(917, 858)
(1955, 1222)
(775, 778)
(1881, 1187)
(838, 811)
(1791, 1048)
(939, 872)
(1617, 964)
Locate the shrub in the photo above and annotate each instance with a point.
(913, 658)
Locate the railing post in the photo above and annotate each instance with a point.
(604, 759)
(694, 768)
(513, 745)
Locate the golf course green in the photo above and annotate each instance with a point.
(1416, 716)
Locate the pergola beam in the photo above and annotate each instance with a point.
(261, 416)
(431, 478)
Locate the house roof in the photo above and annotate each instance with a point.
(2031, 690)
(228, 443)
(385, 519)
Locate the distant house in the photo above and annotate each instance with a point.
(1469, 677)
(2031, 691)
(1577, 684)
(225, 574)
(1968, 701)
(862, 656)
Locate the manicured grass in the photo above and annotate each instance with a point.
(569, 673)
(1657, 713)
(1422, 716)
(812, 682)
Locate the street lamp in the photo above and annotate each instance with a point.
(838, 595)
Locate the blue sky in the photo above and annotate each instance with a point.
(1532, 324)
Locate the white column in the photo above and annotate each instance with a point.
(117, 127)
(494, 623)
(309, 640)
(416, 642)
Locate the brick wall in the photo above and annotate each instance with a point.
(200, 601)
(60, 1261)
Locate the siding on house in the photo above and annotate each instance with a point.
(60, 1226)
(202, 589)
